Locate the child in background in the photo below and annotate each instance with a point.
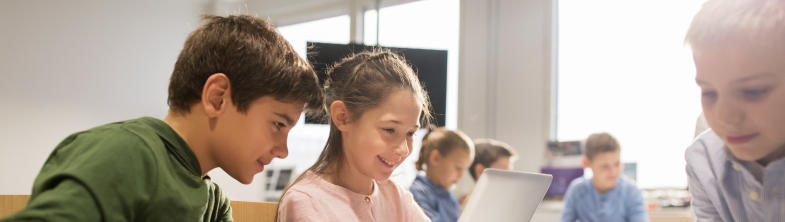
(445, 155)
(490, 153)
(737, 169)
(374, 101)
(237, 89)
(608, 195)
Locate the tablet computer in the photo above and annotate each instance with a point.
(503, 195)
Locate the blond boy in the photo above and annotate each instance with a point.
(736, 170)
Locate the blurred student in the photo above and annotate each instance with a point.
(490, 153)
(237, 89)
(374, 101)
(737, 169)
(608, 196)
(444, 156)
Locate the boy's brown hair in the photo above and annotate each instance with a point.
(249, 51)
(488, 151)
(600, 143)
(719, 21)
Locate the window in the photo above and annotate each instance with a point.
(623, 69)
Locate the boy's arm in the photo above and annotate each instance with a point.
(68, 201)
(701, 203)
(94, 177)
(636, 207)
(569, 213)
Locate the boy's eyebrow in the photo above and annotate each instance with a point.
(289, 121)
(756, 76)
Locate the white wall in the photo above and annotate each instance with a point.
(504, 76)
(70, 66)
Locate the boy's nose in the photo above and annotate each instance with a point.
(728, 113)
(281, 150)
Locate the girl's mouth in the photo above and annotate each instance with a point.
(386, 162)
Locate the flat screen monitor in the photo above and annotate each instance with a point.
(430, 66)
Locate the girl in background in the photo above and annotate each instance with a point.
(444, 157)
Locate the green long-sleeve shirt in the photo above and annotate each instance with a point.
(136, 170)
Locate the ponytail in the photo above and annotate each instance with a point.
(423, 157)
(443, 140)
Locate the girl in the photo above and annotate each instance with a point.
(446, 155)
(374, 102)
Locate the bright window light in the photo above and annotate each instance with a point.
(623, 69)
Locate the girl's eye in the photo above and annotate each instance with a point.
(389, 130)
(279, 125)
(410, 134)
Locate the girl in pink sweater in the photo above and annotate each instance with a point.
(374, 101)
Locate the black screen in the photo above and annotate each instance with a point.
(430, 66)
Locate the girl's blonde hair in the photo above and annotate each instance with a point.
(445, 141)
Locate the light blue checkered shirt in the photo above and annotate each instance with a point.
(623, 203)
(724, 188)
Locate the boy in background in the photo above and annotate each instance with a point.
(237, 89)
(608, 195)
(489, 153)
(737, 169)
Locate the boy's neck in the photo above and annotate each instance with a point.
(352, 179)
(774, 156)
(193, 128)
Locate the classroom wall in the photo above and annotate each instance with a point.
(504, 76)
(67, 66)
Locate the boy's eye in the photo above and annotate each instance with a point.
(755, 93)
(410, 134)
(709, 95)
(389, 130)
(279, 125)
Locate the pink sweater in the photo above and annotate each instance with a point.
(314, 199)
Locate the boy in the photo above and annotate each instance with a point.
(736, 170)
(237, 89)
(608, 195)
(489, 153)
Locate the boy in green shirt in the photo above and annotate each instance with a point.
(237, 89)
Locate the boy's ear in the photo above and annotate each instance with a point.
(216, 95)
(339, 115)
(434, 156)
(585, 162)
(478, 170)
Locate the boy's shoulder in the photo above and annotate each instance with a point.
(706, 154)
(131, 136)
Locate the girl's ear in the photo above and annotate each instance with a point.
(338, 115)
(434, 156)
